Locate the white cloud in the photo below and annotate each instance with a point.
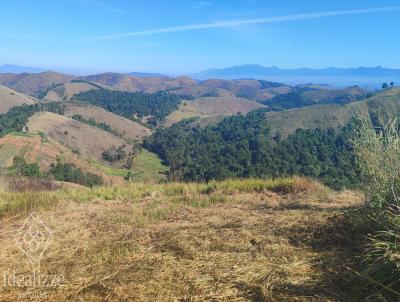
(202, 4)
(227, 24)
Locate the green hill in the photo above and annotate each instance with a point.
(379, 108)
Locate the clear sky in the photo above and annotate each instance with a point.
(186, 36)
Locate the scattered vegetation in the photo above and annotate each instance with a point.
(114, 153)
(94, 123)
(21, 168)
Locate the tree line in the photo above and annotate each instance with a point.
(133, 104)
(243, 146)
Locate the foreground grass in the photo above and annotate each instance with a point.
(234, 240)
(25, 202)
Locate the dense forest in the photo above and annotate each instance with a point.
(17, 117)
(132, 104)
(242, 146)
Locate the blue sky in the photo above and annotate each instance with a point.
(188, 35)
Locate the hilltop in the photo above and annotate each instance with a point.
(237, 240)
(33, 84)
(10, 98)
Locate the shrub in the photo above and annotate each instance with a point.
(22, 168)
(69, 173)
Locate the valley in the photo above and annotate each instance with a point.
(186, 189)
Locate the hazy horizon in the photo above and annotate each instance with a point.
(80, 36)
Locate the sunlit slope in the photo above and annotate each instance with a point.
(212, 107)
(381, 107)
(123, 126)
(77, 136)
(10, 98)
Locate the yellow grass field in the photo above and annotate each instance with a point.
(127, 128)
(236, 240)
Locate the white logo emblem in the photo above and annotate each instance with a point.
(34, 238)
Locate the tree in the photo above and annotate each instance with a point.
(391, 84)
(385, 86)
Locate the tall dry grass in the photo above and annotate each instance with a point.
(12, 203)
(378, 153)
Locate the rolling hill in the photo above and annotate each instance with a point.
(10, 98)
(34, 84)
(44, 151)
(125, 82)
(77, 136)
(55, 86)
(211, 107)
(303, 96)
(380, 107)
(66, 91)
(127, 128)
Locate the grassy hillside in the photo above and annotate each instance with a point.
(127, 128)
(209, 107)
(66, 91)
(249, 240)
(80, 137)
(10, 98)
(379, 108)
(44, 151)
(147, 167)
(34, 84)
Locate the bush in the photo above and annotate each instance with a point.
(69, 173)
(114, 154)
(22, 168)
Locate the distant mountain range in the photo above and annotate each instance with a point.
(7, 68)
(336, 76)
(363, 76)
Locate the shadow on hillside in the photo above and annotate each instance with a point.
(338, 243)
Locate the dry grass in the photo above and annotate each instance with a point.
(212, 106)
(66, 91)
(89, 141)
(125, 127)
(10, 98)
(251, 240)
